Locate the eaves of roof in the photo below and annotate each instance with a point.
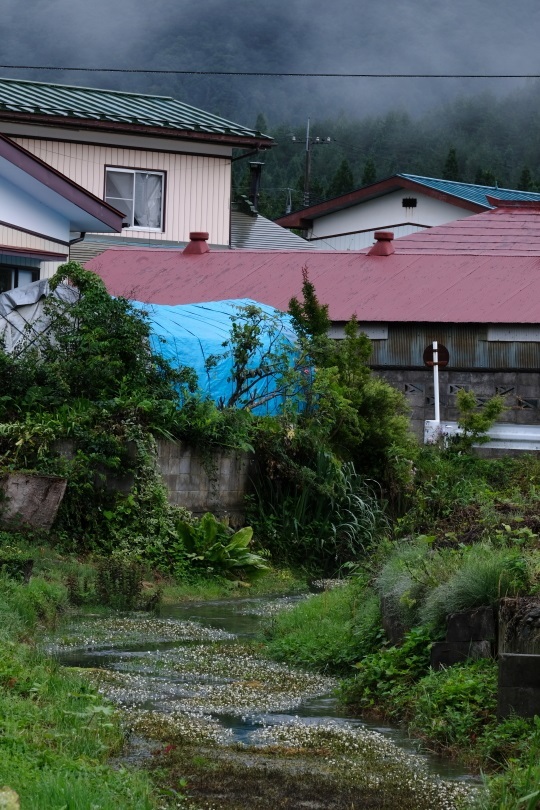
(305, 216)
(60, 184)
(31, 253)
(93, 108)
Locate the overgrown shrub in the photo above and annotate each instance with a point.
(475, 421)
(320, 517)
(485, 574)
(119, 582)
(386, 676)
(452, 707)
(411, 570)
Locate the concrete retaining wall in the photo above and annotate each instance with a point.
(31, 500)
(216, 484)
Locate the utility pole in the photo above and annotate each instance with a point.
(310, 143)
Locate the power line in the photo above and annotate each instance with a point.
(282, 75)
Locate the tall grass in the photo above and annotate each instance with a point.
(327, 632)
(321, 520)
(485, 575)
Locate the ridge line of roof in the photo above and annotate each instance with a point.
(94, 89)
(241, 129)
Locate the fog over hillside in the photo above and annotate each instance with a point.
(315, 36)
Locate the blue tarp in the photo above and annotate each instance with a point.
(187, 334)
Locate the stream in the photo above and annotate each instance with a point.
(245, 731)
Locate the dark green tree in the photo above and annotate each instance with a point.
(342, 181)
(261, 124)
(360, 417)
(369, 175)
(311, 319)
(525, 180)
(485, 177)
(451, 167)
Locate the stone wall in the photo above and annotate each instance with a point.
(217, 484)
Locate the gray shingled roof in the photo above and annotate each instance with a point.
(259, 233)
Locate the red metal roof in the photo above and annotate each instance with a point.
(511, 229)
(483, 269)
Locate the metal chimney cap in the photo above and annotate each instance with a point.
(197, 243)
(384, 244)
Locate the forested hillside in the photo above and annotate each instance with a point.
(476, 139)
(395, 85)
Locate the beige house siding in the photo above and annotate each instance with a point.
(48, 269)
(20, 239)
(197, 188)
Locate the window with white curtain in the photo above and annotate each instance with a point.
(138, 194)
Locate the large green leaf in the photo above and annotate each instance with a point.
(241, 539)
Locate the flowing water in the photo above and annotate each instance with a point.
(195, 679)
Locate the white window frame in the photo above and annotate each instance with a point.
(115, 202)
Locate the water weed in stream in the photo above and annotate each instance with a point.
(219, 718)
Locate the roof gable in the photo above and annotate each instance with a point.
(464, 195)
(25, 100)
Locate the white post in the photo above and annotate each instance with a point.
(436, 381)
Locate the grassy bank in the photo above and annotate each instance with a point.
(467, 535)
(57, 733)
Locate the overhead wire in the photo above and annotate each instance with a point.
(277, 74)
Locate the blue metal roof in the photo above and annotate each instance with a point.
(470, 192)
(132, 109)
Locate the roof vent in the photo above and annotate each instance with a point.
(383, 245)
(197, 243)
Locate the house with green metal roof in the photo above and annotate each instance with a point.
(403, 204)
(166, 166)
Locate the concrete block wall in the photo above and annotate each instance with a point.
(521, 390)
(217, 484)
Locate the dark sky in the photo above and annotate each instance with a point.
(413, 36)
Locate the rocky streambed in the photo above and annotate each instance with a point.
(214, 719)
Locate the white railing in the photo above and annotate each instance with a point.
(502, 436)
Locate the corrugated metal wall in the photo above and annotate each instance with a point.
(467, 345)
(197, 194)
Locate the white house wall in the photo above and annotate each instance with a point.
(386, 212)
(20, 209)
(197, 187)
(48, 269)
(359, 241)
